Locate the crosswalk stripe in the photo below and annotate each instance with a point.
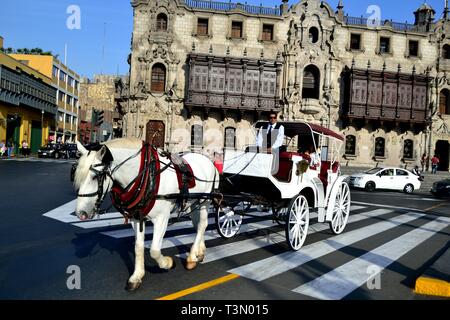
(269, 267)
(129, 232)
(63, 213)
(343, 280)
(100, 223)
(238, 247)
(209, 235)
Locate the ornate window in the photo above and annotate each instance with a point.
(413, 48)
(385, 45)
(230, 138)
(444, 102)
(350, 145)
(355, 41)
(313, 34)
(235, 81)
(311, 82)
(408, 149)
(269, 82)
(236, 29)
(158, 78)
(161, 22)
(202, 27)
(252, 85)
(200, 81)
(267, 32)
(446, 52)
(380, 145)
(197, 135)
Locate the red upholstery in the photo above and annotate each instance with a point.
(285, 170)
(324, 171)
(289, 155)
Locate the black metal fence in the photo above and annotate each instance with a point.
(228, 6)
(361, 21)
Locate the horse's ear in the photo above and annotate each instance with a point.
(81, 148)
(105, 155)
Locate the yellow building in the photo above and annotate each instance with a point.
(27, 104)
(67, 83)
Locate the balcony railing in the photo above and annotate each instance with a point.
(228, 6)
(399, 26)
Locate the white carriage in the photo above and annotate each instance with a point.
(291, 188)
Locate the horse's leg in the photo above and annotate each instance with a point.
(198, 249)
(139, 271)
(159, 230)
(202, 249)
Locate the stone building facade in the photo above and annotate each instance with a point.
(97, 96)
(203, 72)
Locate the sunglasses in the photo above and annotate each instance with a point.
(273, 117)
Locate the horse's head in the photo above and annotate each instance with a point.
(92, 180)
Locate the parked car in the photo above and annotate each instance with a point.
(441, 189)
(68, 151)
(49, 151)
(386, 178)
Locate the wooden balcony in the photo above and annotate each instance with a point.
(230, 83)
(386, 96)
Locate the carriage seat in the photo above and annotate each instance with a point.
(285, 169)
(325, 166)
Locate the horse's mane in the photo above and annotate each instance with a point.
(85, 162)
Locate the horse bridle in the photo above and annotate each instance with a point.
(100, 176)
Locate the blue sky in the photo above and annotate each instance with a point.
(42, 23)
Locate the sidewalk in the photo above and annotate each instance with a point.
(436, 280)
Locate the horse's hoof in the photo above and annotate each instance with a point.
(201, 258)
(191, 265)
(133, 286)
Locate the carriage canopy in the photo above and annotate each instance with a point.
(292, 129)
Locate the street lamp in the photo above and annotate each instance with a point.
(42, 127)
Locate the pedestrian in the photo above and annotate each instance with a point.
(10, 147)
(2, 148)
(424, 161)
(416, 171)
(434, 164)
(25, 149)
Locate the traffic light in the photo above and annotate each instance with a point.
(100, 117)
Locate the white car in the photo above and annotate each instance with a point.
(386, 178)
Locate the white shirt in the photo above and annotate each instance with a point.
(280, 137)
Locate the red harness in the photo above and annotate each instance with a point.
(188, 176)
(138, 199)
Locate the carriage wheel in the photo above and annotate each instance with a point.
(297, 223)
(227, 222)
(341, 209)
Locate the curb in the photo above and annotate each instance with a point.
(432, 287)
(436, 279)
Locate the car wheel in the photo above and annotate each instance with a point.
(409, 188)
(370, 186)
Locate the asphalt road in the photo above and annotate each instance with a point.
(390, 236)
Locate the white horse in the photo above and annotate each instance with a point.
(118, 163)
